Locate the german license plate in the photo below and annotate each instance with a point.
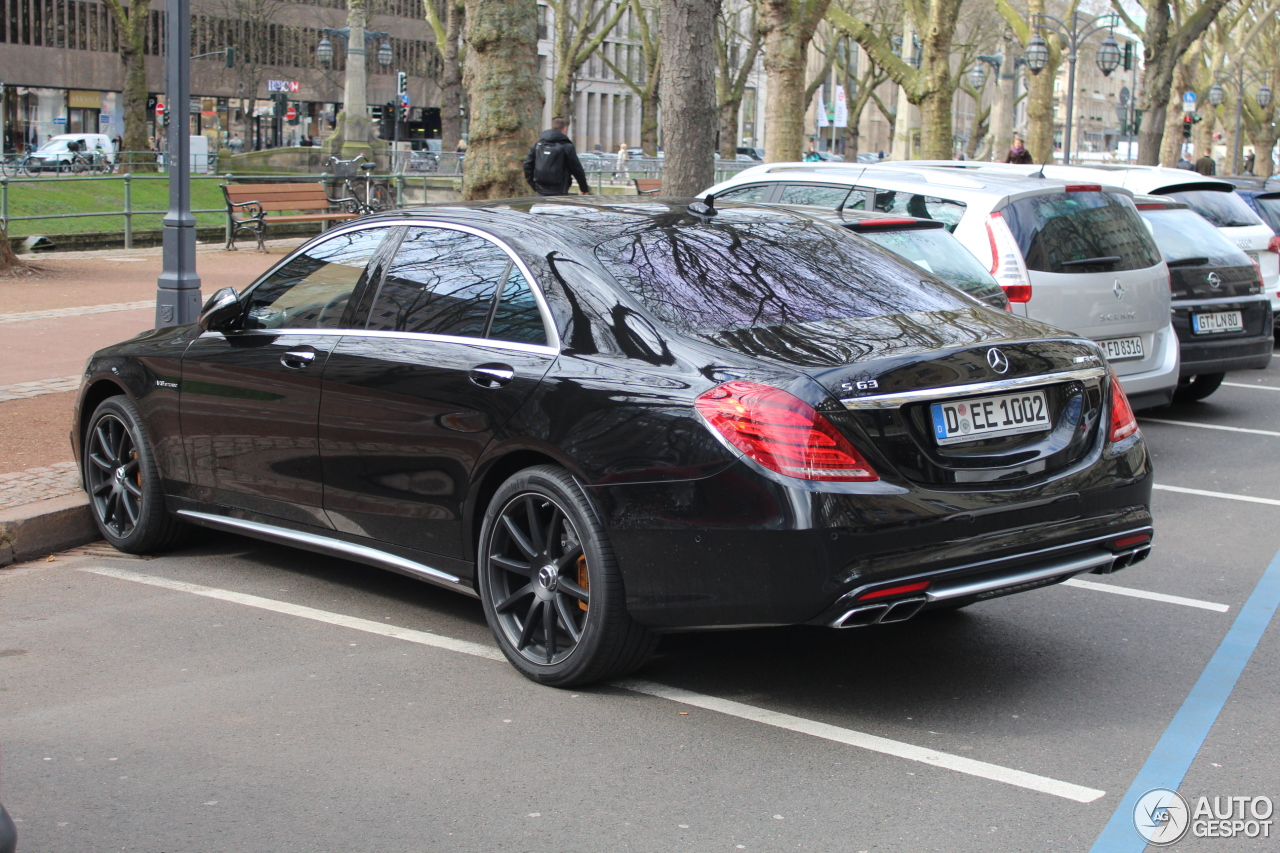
(1118, 349)
(988, 417)
(1221, 321)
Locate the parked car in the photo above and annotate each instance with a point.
(56, 153)
(923, 242)
(1221, 315)
(8, 832)
(1264, 197)
(612, 419)
(752, 153)
(1076, 256)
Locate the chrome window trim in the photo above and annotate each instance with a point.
(325, 544)
(544, 310)
(893, 401)
(492, 343)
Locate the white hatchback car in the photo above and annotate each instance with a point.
(1074, 255)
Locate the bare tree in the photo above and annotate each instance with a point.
(448, 32)
(787, 28)
(581, 26)
(504, 93)
(1039, 133)
(642, 77)
(131, 22)
(738, 45)
(688, 95)
(252, 22)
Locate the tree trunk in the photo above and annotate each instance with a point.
(451, 81)
(649, 123)
(131, 22)
(787, 28)
(689, 95)
(729, 129)
(935, 126)
(8, 260)
(504, 93)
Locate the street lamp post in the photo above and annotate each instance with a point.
(1074, 34)
(1002, 112)
(1238, 84)
(353, 124)
(178, 290)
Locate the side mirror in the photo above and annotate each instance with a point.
(220, 310)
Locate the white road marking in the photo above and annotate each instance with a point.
(1224, 495)
(1245, 385)
(466, 647)
(1209, 426)
(911, 752)
(1153, 596)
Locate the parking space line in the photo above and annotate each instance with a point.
(911, 752)
(466, 647)
(1224, 495)
(1169, 762)
(1245, 385)
(1153, 596)
(1208, 426)
(874, 743)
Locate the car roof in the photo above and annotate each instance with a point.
(1137, 179)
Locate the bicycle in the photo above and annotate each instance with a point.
(377, 191)
(16, 165)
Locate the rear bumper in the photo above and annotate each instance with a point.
(1154, 387)
(1202, 354)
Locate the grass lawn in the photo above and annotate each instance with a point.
(63, 195)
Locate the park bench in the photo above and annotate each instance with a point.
(648, 186)
(248, 205)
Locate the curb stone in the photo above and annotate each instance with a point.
(39, 529)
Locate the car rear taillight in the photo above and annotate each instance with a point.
(782, 432)
(1123, 423)
(1006, 260)
(1083, 188)
(1274, 245)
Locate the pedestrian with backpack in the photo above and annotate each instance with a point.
(552, 164)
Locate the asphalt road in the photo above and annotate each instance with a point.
(289, 702)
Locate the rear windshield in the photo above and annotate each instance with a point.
(1184, 234)
(1080, 232)
(1223, 209)
(937, 252)
(1268, 208)
(727, 275)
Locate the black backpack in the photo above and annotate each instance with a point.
(549, 169)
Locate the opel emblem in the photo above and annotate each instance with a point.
(999, 363)
(1118, 289)
(1214, 279)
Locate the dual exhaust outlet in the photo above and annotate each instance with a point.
(988, 586)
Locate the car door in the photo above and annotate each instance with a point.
(456, 340)
(250, 395)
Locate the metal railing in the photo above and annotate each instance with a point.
(116, 163)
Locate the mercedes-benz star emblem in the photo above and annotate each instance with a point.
(998, 361)
(1118, 289)
(1214, 280)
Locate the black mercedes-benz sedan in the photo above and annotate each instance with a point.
(614, 419)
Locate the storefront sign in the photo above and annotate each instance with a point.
(283, 85)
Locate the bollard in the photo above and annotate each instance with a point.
(128, 210)
(4, 201)
(227, 242)
(399, 191)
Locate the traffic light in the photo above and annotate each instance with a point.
(293, 114)
(387, 121)
(1128, 56)
(1137, 121)
(402, 83)
(280, 102)
(231, 57)
(1186, 126)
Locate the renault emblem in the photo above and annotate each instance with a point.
(1118, 289)
(999, 363)
(1214, 280)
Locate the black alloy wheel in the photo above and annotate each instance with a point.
(551, 589)
(124, 487)
(1195, 388)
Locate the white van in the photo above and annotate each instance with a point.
(56, 154)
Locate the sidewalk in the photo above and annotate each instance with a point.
(50, 323)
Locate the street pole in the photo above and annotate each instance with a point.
(1071, 95)
(178, 293)
(1235, 154)
(1074, 38)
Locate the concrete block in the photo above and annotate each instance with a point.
(39, 529)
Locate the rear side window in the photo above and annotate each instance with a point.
(517, 317)
(937, 252)
(1223, 209)
(828, 197)
(1268, 207)
(1080, 232)
(904, 203)
(1183, 235)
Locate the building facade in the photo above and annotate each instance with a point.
(61, 70)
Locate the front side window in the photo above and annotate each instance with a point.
(751, 193)
(902, 203)
(312, 290)
(1080, 232)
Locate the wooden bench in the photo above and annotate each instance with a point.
(248, 204)
(648, 186)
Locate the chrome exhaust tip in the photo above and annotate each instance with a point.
(880, 614)
(901, 611)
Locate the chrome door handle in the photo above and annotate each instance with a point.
(491, 375)
(297, 359)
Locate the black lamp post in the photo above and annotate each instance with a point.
(1074, 34)
(1238, 82)
(178, 290)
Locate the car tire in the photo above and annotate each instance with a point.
(550, 584)
(1195, 388)
(120, 477)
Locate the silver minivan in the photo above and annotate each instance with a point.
(1075, 255)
